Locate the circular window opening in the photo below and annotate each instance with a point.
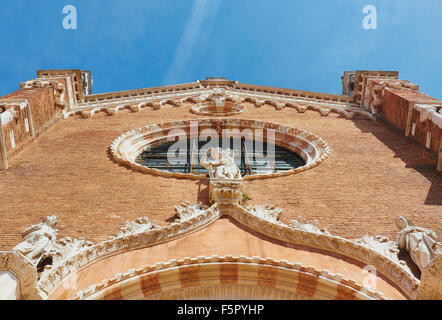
(261, 149)
(251, 157)
(217, 108)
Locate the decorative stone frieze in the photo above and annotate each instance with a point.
(231, 99)
(266, 212)
(384, 246)
(263, 219)
(140, 225)
(362, 77)
(66, 248)
(394, 271)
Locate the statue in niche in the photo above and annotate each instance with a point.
(223, 164)
(38, 240)
(420, 242)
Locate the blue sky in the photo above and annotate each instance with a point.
(299, 44)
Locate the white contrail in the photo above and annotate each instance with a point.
(198, 29)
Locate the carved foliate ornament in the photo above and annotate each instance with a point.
(186, 211)
(140, 225)
(266, 212)
(68, 247)
(383, 245)
(303, 225)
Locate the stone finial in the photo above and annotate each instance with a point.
(421, 243)
(38, 240)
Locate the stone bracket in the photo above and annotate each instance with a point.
(224, 191)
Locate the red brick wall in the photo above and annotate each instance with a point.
(395, 111)
(372, 175)
(43, 111)
(436, 138)
(41, 101)
(19, 129)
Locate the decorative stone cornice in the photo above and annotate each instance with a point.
(66, 248)
(310, 236)
(303, 225)
(140, 225)
(392, 269)
(266, 212)
(210, 86)
(235, 92)
(384, 246)
(52, 275)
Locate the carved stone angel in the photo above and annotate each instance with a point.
(421, 243)
(38, 240)
(223, 164)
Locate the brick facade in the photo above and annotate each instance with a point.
(384, 155)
